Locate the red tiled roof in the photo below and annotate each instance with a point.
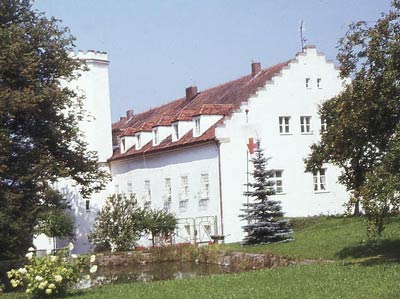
(220, 100)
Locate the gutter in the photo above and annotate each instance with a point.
(217, 143)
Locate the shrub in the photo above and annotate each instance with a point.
(50, 276)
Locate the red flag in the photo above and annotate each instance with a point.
(251, 146)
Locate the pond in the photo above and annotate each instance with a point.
(151, 272)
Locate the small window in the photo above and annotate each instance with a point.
(176, 131)
(319, 178)
(123, 145)
(284, 124)
(129, 188)
(156, 139)
(308, 83)
(184, 187)
(323, 125)
(305, 124)
(204, 186)
(319, 83)
(87, 205)
(147, 194)
(138, 141)
(277, 179)
(197, 126)
(167, 190)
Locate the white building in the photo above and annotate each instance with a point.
(190, 156)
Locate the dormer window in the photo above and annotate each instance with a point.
(138, 141)
(176, 131)
(197, 126)
(319, 83)
(156, 136)
(123, 146)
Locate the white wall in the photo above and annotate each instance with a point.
(285, 96)
(191, 162)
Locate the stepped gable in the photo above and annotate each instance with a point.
(220, 100)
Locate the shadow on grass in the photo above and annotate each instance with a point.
(373, 252)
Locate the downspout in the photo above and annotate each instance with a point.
(217, 143)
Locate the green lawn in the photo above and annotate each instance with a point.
(360, 269)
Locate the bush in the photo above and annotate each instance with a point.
(50, 276)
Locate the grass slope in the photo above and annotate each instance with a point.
(361, 269)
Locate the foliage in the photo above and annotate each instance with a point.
(119, 223)
(39, 137)
(50, 276)
(55, 223)
(264, 215)
(159, 223)
(362, 120)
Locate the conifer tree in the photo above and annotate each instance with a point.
(264, 215)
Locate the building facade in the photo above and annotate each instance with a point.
(191, 156)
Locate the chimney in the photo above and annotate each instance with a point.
(255, 68)
(191, 92)
(129, 113)
(122, 118)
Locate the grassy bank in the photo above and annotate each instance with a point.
(358, 269)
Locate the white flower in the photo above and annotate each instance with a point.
(28, 291)
(52, 286)
(10, 274)
(38, 278)
(22, 270)
(42, 285)
(87, 277)
(53, 258)
(48, 291)
(31, 249)
(58, 278)
(29, 255)
(92, 258)
(93, 269)
(71, 246)
(14, 283)
(74, 256)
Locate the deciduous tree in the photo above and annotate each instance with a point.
(39, 137)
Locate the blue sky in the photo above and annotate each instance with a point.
(158, 48)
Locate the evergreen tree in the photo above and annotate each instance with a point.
(264, 215)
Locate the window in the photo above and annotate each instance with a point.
(204, 186)
(129, 188)
(167, 189)
(319, 178)
(284, 124)
(123, 145)
(87, 205)
(138, 143)
(197, 126)
(323, 125)
(319, 83)
(184, 187)
(308, 81)
(156, 140)
(278, 181)
(184, 192)
(176, 131)
(147, 194)
(305, 124)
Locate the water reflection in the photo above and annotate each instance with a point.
(151, 272)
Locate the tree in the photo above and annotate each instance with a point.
(264, 215)
(363, 119)
(119, 223)
(159, 223)
(39, 137)
(55, 223)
